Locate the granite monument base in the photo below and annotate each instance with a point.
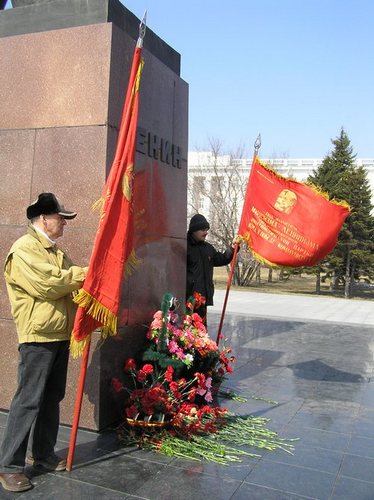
(61, 94)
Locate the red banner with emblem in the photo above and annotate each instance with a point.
(113, 253)
(288, 223)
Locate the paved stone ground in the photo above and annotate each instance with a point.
(314, 356)
(297, 307)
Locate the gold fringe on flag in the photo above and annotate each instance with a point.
(258, 257)
(98, 204)
(78, 346)
(318, 190)
(266, 262)
(131, 264)
(102, 314)
(310, 185)
(97, 310)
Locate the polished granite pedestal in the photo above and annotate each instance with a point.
(64, 69)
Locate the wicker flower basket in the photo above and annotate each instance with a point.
(147, 422)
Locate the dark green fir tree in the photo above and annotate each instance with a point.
(353, 256)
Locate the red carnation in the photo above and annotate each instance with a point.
(199, 299)
(174, 386)
(141, 376)
(148, 369)
(169, 373)
(117, 384)
(129, 365)
(131, 411)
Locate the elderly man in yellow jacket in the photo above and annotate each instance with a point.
(40, 279)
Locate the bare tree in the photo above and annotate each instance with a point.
(217, 185)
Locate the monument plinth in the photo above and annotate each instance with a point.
(64, 66)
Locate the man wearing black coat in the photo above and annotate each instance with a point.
(202, 257)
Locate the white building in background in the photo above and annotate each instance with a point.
(204, 168)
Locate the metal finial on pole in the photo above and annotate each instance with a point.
(257, 144)
(142, 30)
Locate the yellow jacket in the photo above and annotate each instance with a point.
(40, 280)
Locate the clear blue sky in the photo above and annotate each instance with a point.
(294, 70)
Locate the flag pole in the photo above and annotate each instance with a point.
(86, 351)
(78, 405)
(257, 146)
(233, 262)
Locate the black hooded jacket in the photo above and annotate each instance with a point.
(202, 257)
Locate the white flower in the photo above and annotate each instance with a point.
(188, 359)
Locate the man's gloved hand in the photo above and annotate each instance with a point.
(237, 240)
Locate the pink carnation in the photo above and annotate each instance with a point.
(173, 346)
(156, 324)
(208, 397)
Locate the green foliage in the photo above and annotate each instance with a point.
(167, 304)
(230, 442)
(330, 175)
(343, 180)
(162, 358)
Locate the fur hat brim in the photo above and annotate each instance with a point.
(47, 204)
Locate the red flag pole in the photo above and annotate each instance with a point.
(227, 291)
(78, 405)
(86, 351)
(257, 146)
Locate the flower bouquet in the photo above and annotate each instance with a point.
(184, 343)
(179, 365)
(171, 387)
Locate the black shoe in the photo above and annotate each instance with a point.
(53, 462)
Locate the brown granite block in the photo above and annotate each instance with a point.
(162, 113)
(78, 242)
(163, 98)
(55, 78)
(121, 58)
(70, 161)
(8, 362)
(67, 88)
(101, 406)
(16, 157)
(87, 418)
(159, 191)
(161, 269)
(68, 13)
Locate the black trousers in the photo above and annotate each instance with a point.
(35, 410)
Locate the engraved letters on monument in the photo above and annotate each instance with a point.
(158, 148)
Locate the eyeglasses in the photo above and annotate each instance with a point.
(54, 216)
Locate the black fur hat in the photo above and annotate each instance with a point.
(47, 204)
(197, 222)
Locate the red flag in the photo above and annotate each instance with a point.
(288, 223)
(112, 253)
